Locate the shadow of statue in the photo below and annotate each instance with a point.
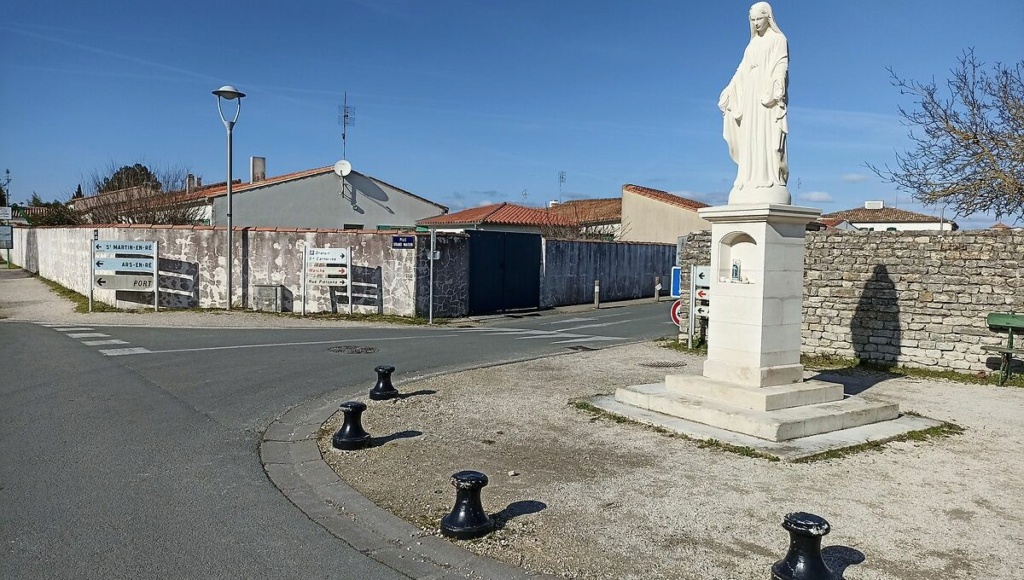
(875, 331)
(418, 393)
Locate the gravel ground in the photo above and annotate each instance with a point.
(585, 497)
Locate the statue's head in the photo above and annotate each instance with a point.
(761, 19)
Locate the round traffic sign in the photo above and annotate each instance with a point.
(677, 311)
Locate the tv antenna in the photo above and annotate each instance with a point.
(524, 194)
(346, 118)
(561, 180)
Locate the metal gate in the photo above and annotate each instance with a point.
(504, 271)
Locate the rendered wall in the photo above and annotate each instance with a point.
(910, 298)
(648, 220)
(626, 270)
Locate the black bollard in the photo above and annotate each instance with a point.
(803, 561)
(383, 389)
(468, 518)
(351, 436)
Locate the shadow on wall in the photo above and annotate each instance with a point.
(367, 290)
(178, 282)
(875, 328)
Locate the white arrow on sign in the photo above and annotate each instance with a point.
(703, 294)
(124, 282)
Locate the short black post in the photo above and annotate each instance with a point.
(468, 518)
(383, 389)
(351, 436)
(803, 561)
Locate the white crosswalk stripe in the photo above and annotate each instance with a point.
(103, 342)
(88, 335)
(124, 351)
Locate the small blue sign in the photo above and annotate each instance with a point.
(676, 282)
(403, 242)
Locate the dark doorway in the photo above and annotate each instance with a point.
(504, 271)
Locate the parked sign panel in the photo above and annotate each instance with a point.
(5, 213)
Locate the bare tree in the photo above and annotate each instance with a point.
(968, 145)
(137, 195)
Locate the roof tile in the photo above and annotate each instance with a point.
(664, 197)
(499, 214)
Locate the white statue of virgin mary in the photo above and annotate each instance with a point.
(754, 107)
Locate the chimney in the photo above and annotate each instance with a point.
(190, 183)
(552, 203)
(199, 182)
(257, 169)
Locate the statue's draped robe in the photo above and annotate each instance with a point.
(756, 134)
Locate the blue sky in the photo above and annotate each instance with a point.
(471, 102)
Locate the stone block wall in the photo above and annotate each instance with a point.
(910, 298)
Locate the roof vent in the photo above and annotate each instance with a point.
(552, 203)
(874, 204)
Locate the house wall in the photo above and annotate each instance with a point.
(317, 202)
(626, 271)
(911, 298)
(648, 220)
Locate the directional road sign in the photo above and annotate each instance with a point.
(327, 255)
(325, 281)
(702, 311)
(124, 282)
(702, 276)
(6, 237)
(124, 247)
(323, 269)
(5, 213)
(702, 294)
(123, 264)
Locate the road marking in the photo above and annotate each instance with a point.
(571, 320)
(124, 351)
(71, 329)
(587, 339)
(88, 335)
(598, 325)
(103, 342)
(288, 344)
(552, 335)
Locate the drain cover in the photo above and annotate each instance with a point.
(353, 349)
(662, 364)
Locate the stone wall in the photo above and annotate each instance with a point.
(911, 298)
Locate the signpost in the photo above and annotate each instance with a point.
(6, 233)
(700, 294)
(5, 213)
(327, 267)
(124, 265)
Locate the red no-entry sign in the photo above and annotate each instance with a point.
(678, 307)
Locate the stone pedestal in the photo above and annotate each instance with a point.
(752, 391)
(757, 267)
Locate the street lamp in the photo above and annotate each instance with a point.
(230, 93)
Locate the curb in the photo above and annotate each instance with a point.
(293, 463)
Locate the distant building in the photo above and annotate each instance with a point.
(503, 217)
(652, 215)
(596, 218)
(874, 216)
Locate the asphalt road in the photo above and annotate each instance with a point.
(133, 454)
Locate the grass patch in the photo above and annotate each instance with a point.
(680, 346)
(941, 431)
(713, 444)
(81, 302)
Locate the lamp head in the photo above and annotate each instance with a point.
(229, 92)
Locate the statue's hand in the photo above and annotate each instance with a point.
(769, 102)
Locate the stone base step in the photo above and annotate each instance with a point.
(777, 425)
(755, 398)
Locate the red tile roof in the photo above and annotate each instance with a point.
(499, 214)
(883, 215)
(664, 197)
(589, 212)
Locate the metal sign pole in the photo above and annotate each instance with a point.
(348, 278)
(433, 244)
(693, 291)
(156, 277)
(92, 265)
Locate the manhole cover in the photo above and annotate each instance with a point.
(353, 349)
(662, 364)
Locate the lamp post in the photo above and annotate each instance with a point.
(230, 93)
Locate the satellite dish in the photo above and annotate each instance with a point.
(342, 168)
